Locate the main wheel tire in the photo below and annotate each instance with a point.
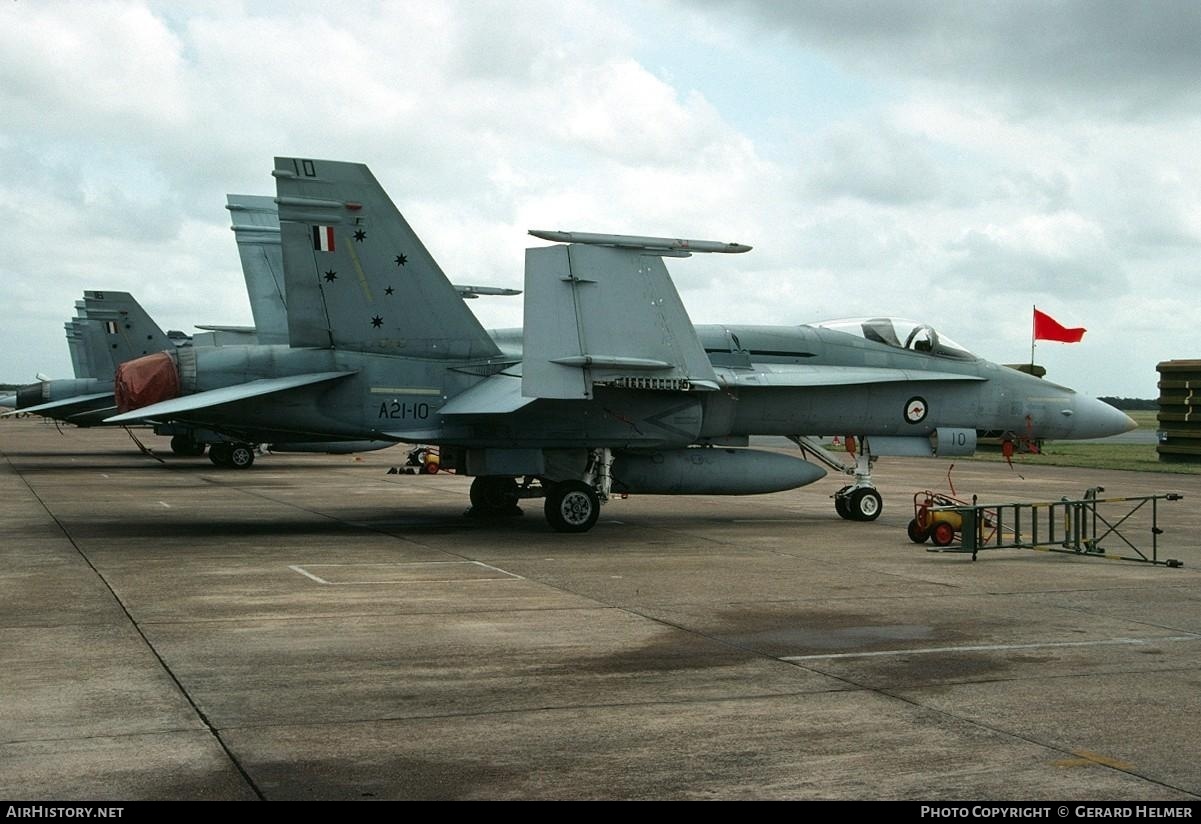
(493, 495)
(866, 505)
(219, 454)
(572, 506)
(916, 533)
(842, 503)
(942, 534)
(241, 456)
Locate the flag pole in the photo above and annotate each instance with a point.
(1032, 316)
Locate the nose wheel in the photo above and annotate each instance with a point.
(858, 503)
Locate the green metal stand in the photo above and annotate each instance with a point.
(1071, 527)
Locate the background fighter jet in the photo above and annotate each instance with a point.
(109, 328)
(614, 389)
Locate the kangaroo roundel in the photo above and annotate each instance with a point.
(916, 409)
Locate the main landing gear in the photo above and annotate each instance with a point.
(185, 446)
(494, 496)
(232, 455)
(571, 505)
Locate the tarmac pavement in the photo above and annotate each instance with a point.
(314, 627)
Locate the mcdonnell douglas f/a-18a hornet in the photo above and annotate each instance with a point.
(610, 389)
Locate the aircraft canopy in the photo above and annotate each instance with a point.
(901, 334)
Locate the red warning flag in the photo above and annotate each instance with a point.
(1047, 328)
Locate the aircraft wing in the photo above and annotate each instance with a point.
(603, 315)
(62, 403)
(785, 375)
(226, 394)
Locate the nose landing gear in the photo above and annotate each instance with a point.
(858, 503)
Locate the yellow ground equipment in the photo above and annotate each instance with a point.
(938, 518)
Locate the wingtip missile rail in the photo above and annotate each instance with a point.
(468, 291)
(667, 245)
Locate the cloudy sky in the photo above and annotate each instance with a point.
(948, 161)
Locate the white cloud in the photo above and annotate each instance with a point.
(74, 66)
(873, 162)
(1056, 254)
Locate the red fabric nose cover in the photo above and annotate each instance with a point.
(146, 380)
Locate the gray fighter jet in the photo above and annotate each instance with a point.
(614, 390)
(109, 328)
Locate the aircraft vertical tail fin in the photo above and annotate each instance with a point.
(90, 353)
(256, 228)
(121, 322)
(357, 276)
(81, 364)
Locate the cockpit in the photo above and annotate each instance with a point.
(900, 334)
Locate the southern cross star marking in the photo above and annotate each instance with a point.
(331, 276)
(401, 260)
(360, 235)
(389, 290)
(377, 321)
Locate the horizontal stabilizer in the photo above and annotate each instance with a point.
(602, 316)
(497, 395)
(806, 375)
(226, 394)
(64, 403)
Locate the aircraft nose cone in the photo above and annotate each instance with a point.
(1097, 419)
